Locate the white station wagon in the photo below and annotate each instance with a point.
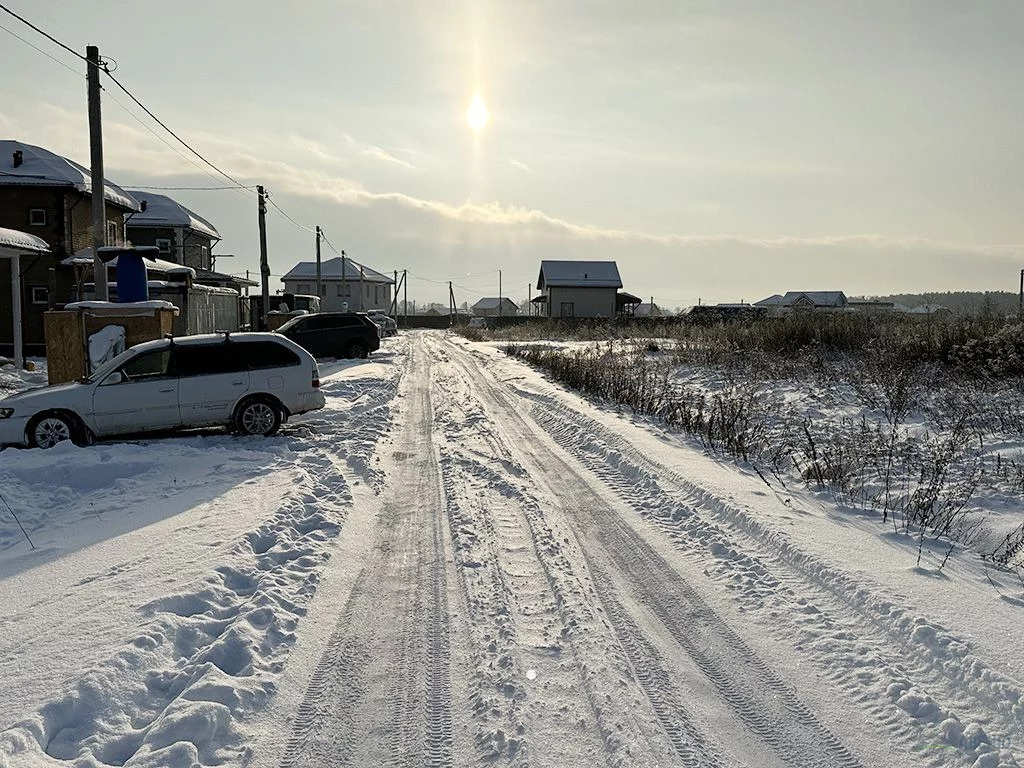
(250, 381)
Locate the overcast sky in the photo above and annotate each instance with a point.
(720, 150)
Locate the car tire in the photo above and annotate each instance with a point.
(47, 429)
(260, 416)
(357, 349)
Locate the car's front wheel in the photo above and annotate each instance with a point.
(48, 429)
(357, 349)
(258, 416)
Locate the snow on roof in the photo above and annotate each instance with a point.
(331, 270)
(163, 211)
(135, 307)
(84, 258)
(22, 241)
(42, 168)
(492, 302)
(590, 274)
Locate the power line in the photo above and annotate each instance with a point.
(47, 55)
(293, 221)
(47, 35)
(329, 245)
(183, 189)
(163, 125)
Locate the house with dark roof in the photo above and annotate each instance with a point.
(181, 235)
(577, 288)
(345, 284)
(49, 196)
(805, 301)
(492, 306)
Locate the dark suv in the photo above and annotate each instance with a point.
(333, 334)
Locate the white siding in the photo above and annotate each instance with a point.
(375, 295)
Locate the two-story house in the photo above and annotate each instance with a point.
(49, 196)
(345, 284)
(182, 235)
(578, 288)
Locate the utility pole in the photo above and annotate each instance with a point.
(319, 284)
(344, 279)
(99, 216)
(362, 289)
(499, 293)
(264, 263)
(1021, 310)
(394, 304)
(451, 304)
(405, 295)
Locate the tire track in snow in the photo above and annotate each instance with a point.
(769, 708)
(894, 663)
(586, 632)
(381, 692)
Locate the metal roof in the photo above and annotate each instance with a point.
(22, 242)
(583, 274)
(820, 298)
(42, 168)
(331, 270)
(492, 302)
(163, 211)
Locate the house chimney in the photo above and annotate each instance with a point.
(19, 157)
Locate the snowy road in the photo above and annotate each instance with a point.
(461, 564)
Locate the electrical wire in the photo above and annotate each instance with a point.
(47, 55)
(324, 236)
(293, 221)
(47, 35)
(164, 125)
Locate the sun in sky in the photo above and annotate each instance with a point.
(477, 114)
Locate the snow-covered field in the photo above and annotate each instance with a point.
(459, 563)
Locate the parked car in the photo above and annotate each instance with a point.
(387, 324)
(334, 334)
(250, 381)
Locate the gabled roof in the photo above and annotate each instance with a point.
(163, 211)
(581, 274)
(819, 298)
(22, 242)
(772, 301)
(42, 168)
(331, 270)
(492, 302)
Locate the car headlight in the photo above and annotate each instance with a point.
(6, 413)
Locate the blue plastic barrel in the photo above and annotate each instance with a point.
(132, 280)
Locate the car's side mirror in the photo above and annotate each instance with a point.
(114, 378)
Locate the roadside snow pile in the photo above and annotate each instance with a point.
(12, 380)
(155, 615)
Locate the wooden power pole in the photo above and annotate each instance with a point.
(319, 290)
(264, 263)
(99, 215)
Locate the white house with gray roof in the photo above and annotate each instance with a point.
(346, 284)
(806, 301)
(577, 288)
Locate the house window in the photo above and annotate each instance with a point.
(164, 245)
(37, 217)
(40, 294)
(111, 233)
(204, 256)
(376, 295)
(339, 289)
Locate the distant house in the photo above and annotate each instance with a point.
(933, 310)
(805, 301)
(181, 235)
(578, 288)
(872, 307)
(647, 309)
(49, 196)
(495, 307)
(346, 284)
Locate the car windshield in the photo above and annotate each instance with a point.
(111, 365)
(292, 323)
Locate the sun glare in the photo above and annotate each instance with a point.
(477, 114)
